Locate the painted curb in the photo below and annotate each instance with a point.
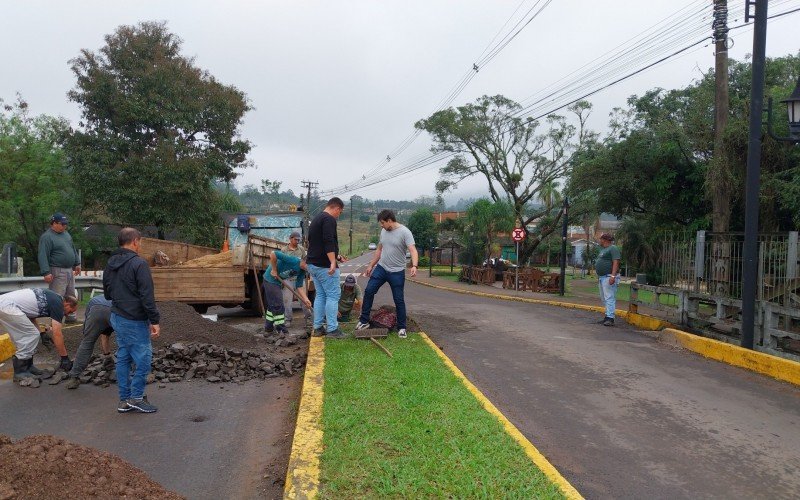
(302, 475)
(538, 459)
(7, 348)
(759, 362)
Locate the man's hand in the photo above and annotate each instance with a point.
(341, 258)
(155, 331)
(368, 272)
(48, 278)
(332, 270)
(413, 271)
(307, 303)
(76, 270)
(612, 279)
(338, 315)
(65, 364)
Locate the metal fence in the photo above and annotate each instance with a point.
(711, 263)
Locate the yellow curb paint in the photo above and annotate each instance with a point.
(302, 476)
(7, 348)
(759, 362)
(541, 462)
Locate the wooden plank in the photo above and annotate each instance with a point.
(177, 251)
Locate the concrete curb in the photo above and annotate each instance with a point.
(302, 475)
(7, 348)
(541, 462)
(759, 362)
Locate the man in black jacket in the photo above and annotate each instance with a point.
(322, 258)
(128, 284)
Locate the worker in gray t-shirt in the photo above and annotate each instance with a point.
(389, 264)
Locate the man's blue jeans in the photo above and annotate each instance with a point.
(608, 294)
(397, 282)
(326, 300)
(133, 344)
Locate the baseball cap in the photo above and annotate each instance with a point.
(295, 234)
(350, 280)
(59, 217)
(606, 236)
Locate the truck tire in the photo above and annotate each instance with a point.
(256, 303)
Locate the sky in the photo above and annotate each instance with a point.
(336, 86)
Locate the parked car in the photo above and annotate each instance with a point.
(372, 246)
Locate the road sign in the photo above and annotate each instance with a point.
(518, 234)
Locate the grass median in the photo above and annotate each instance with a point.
(408, 427)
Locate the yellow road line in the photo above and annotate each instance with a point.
(541, 462)
(302, 476)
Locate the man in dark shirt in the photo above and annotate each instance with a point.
(58, 259)
(323, 255)
(128, 284)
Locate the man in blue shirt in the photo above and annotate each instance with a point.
(281, 267)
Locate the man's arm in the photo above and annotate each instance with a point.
(76, 267)
(44, 257)
(412, 248)
(374, 261)
(144, 282)
(58, 338)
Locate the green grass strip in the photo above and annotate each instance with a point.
(407, 427)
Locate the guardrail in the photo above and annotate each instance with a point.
(17, 283)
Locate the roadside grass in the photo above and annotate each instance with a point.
(406, 427)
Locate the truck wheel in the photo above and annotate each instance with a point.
(255, 303)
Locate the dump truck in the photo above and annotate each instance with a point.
(211, 277)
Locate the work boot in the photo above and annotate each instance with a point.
(73, 383)
(319, 332)
(336, 334)
(39, 373)
(21, 369)
(608, 322)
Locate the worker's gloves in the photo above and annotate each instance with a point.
(65, 364)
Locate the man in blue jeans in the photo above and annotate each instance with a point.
(389, 264)
(322, 261)
(607, 267)
(128, 284)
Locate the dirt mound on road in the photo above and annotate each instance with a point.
(181, 323)
(47, 467)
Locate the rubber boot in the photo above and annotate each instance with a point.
(20, 369)
(37, 372)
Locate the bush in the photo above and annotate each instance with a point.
(424, 261)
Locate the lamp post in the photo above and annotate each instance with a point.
(793, 110)
(565, 223)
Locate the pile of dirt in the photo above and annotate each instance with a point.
(224, 259)
(181, 323)
(46, 466)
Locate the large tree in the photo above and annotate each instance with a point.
(423, 227)
(35, 180)
(156, 131)
(490, 139)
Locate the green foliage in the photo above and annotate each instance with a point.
(364, 218)
(424, 261)
(156, 132)
(36, 181)
(489, 139)
(423, 227)
(484, 220)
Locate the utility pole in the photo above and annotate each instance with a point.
(350, 253)
(753, 177)
(307, 212)
(721, 184)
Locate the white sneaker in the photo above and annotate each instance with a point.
(402, 333)
(362, 326)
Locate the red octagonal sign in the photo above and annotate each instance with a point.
(518, 234)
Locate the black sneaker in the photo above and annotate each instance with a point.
(608, 322)
(319, 332)
(124, 407)
(600, 322)
(336, 334)
(142, 405)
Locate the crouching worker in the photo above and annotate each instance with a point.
(18, 313)
(97, 324)
(350, 299)
(282, 267)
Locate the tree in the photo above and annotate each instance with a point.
(485, 219)
(270, 187)
(36, 181)
(490, 139)
(422, 226)
(156, 131)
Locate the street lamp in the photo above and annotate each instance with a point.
(793, 109)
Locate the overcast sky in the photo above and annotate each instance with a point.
(336, 86)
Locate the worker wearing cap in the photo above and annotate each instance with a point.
(295, 249)
(58, 259)
(607, 267)
(350, 299)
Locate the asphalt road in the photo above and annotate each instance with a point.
(619, 414)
